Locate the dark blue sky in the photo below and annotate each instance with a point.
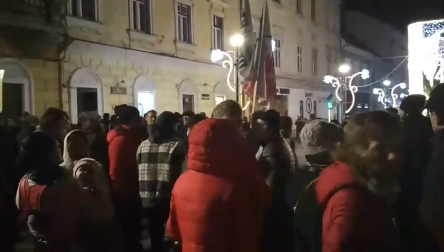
(400, 12)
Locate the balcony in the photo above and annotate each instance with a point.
(26, 7)
(22, 21)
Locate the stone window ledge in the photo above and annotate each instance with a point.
(76, 21)
(143, 36)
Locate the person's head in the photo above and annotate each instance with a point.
(93, 126)
(286, 126)
(320, 136)
(55, 122)
(129, 116)
(266, 125)
(76, 146)
(369, 147)
(106, 116)
(164, 128)
(435, 107)
(392, 111)
(39, 153)
(413, 104)
(186, 117)
(228, 109)
(150, 117)
(196, 119)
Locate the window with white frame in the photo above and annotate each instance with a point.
(313, 10)
(277, 53)
(300, 59)
(218, 32)
(314, 61)
(299, 6)
(141, 12)
(184, 29)
(86, 9)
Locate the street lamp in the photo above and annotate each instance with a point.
(344, 68)
(386, 83)
(341, 84)
(230, 60)
(237, 40)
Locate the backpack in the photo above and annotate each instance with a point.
(307, 218)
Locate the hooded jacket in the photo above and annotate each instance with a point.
(123, 143)
(216, 204)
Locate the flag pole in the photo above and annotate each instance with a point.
(254, 97)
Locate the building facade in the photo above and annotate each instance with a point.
(382, 39)
(155, 54)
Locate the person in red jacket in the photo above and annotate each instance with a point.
(123, 143)
(357, 191)
(217, 203)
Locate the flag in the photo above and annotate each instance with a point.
(246, 51)
(264, 87)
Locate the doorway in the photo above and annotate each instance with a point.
(187, 103)
(145, 102)
(12, 100)
(87, 101)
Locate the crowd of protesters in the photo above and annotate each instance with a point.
(224, 184)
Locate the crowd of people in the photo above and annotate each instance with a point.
(223, 184)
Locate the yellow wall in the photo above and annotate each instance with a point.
(113, 30)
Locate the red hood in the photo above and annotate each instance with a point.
(336, 175)
(216, 146)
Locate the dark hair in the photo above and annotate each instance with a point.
(229, 109)
(127, 114)
(164, 127)
(413, 104)
(272, 118)
(93, 125)
(435, 103)
(196, 119)
(34, 158)
(286, 122)
(188, 113)
(51, 119)
(151, 111)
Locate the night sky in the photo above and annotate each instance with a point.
(399, 12)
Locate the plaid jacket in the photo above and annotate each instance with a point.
(155, 173)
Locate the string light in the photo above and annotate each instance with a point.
(381, 95)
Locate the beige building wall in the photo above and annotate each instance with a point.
(109, 53)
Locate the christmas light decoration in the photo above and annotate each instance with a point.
(381, 96)
(218, 55)
(338, 85)
(395, 96)
(426, 54)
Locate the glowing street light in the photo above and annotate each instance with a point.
(346, 83)
(344, 68)
(386, 83)
(229, 60)
(237, 40)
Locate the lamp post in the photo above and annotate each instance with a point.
(231, 62)
(343, 84)
(388, 94)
